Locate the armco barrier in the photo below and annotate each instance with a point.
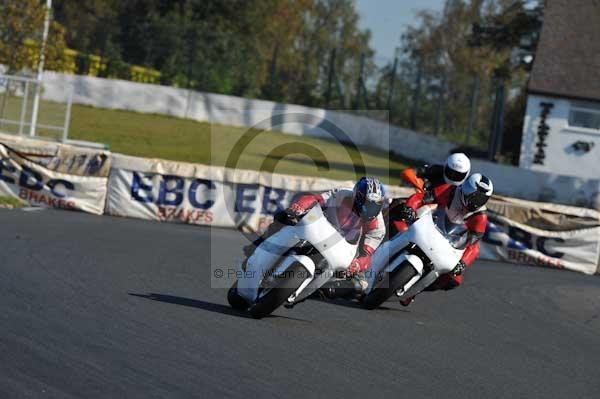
(519, 231)
(236, 111)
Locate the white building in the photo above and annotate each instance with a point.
(561, 131)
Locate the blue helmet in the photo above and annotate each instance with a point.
(369, 195)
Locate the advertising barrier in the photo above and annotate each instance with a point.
(569, 237)
(509, 241)
(35, 184)
(60, 157)
(206, 195)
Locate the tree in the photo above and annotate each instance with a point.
(274, 49)
(92, 26)
(441, 69)
(21, 26)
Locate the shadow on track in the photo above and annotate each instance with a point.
(198, 304)
(356, 305)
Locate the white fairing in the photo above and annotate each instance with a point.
(313, 228)
(425, 235)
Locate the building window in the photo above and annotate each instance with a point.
(585, 115)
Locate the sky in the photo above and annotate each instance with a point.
(387, 19)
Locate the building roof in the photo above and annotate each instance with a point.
(567, 62)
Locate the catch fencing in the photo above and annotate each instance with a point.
(17, 95)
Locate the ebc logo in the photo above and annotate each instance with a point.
(512, 237)
(29, 179)
(171, 191)
(273, 199)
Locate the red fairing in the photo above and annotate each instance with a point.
(306, 201)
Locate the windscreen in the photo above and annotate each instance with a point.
(456, 233)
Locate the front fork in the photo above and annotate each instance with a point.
(306, 290)
(417, 284)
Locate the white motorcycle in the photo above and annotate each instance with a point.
(411, 261)
(291, 264)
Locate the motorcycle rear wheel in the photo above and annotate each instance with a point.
(281, 290)
(397, 279)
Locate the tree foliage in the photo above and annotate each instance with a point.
(21, 28)
(274, 49)
(443, 61)
(308, 52)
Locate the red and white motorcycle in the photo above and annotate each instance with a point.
(411, 261)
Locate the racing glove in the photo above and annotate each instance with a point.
(459, 268)
(358, 265)
(294, 212)
(406, 214)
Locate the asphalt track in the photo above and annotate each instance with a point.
(99, 307)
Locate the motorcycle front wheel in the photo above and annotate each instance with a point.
(279, 291)
(397, 279)
(235, 300)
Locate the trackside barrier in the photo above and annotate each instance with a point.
(99, 182)
(24, 178)
(521, 232)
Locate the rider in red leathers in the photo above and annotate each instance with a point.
(463, 204)
(454, 171)
(356, 213)
(425, 178)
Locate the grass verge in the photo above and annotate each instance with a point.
(10, 202)
(159, 136)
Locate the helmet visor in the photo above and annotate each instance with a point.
(452, 175)
(475, 200)
(370, 209)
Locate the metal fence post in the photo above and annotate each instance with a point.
(67, 124)
(24, 108)
(40, 72)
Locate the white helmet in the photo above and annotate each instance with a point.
(476, 191)
(456, 168)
